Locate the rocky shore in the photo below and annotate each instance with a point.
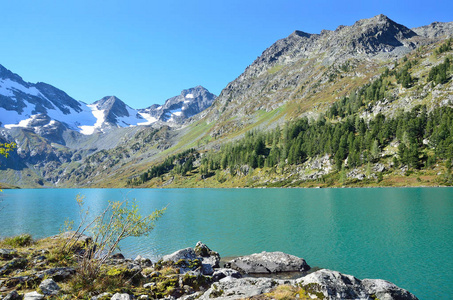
(37, 271)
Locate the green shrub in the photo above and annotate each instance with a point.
(18, 241)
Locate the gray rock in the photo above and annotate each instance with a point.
(209, 259)
(7, 253)
(144, 262)
(223, 272)
(13, 296)
(385, 290)
(206, 269)
(335, 285)
(231, 288)
(186, 254)
(57, 274)
(268, 262)
(119, 296)
(208, 256)
(101, 296)
(33, 296)
(49, 287)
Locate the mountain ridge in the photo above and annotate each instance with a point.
(302, 75)
(20, 100)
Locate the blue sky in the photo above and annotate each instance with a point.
(147, 51)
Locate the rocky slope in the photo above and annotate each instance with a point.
(293, 71)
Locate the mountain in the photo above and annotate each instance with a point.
(294, 69)
(179, 108)
(111, 112)
(47, 110)
(336, 80)
(24, 104)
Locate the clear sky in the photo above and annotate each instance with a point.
(145, 52)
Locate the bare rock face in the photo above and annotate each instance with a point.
(335, 285)
(231, 288)
(385, 290)
(268, 262)
(435, 30)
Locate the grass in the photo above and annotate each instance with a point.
(275, 69)
(22, 240)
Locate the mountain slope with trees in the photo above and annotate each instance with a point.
(364, 104)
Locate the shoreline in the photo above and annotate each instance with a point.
(187, 274)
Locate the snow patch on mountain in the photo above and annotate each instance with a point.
(99, 115)
(13, 118)
(133, 119)
(149, 119)
(7, 87)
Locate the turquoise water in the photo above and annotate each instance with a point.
(402, 235)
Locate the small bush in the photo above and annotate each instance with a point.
(18, 241)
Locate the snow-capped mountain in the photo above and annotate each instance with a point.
(21, 102)
(111, 112)
(179, 108)
(45, 109)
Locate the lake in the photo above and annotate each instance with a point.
(403, 235)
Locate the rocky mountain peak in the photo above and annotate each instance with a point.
(298, 33)
(286, 68)
(7, 74)
(109, 102)
(379, 34)
(179, 108)
(115, 112)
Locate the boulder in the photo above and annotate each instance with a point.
(49, 287)
(144, 262)
(208, 256)
(33, 296)
(186, 254)
(385, 290)
(268, 262)
(119, 296)
(335, 285)
(187, 259)
(232, 288)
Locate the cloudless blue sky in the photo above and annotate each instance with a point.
(145, 52)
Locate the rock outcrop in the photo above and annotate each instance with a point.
(268, 262)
